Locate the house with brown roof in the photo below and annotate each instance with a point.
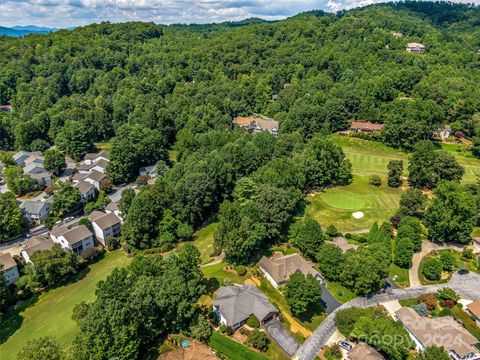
(8, 267)
(254, 123)
(278, 270)
(75, 239)
(441, 331)
(473, 309)
(365, 127)
(362, 351)
(99, 165)
(34, 244)
(87, 190)
(234, 304)
(105, 226)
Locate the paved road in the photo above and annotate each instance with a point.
(329, 301)
(115, 197)
(468, 286)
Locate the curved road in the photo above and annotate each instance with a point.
(468, 286)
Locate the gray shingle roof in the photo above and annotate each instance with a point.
(236, 303)
(83, 186)
(280, 269)
(104, 221)
(33, 206)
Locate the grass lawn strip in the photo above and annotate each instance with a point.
(51, 315)
(232, 349)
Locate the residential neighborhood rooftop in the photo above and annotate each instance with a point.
(34, 206)
(7, 261)
(238, 302)
(442, 331)
(281, 268)
(474, 308)
(83, 186)
(363, 351)
(96, 176)
(104, 221)
(93, 156)
(39, 243)
(366, 125)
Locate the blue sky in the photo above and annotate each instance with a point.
(65, 13)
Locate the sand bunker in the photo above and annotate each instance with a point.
(358, 215)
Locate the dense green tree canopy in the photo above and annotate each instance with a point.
(11, 219)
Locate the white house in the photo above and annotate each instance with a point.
(75, 239)
(113, 208)
(8, 267)
(34, 244)
(21, 156)
(87, 191)
(36, 210)
(416, 48)
(105, 226)
(94, 178)
(94, 157)
(100, 166)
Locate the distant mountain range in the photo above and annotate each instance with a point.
(18, 31)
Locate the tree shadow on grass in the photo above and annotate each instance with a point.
(12, 320)
(312, 311)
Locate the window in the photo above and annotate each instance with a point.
(77, 248)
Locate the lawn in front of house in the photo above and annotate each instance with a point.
(232, 349)
(399, 275)
(51, 315)
(336, 205)
(340, 292)
(310, 321)
(203, 240)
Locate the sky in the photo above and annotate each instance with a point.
(68, 13)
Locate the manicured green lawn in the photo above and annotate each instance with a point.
(399, 275)
(336, 205)
(232, 349)
(311, 320)
(204, 241)
(340, 292)
(373, 157)
(408, 302)
(51, 314)
(220, 272)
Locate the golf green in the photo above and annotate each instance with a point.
(345, 200)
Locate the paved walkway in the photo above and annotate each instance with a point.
(468, 286)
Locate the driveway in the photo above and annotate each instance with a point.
(329, 301)
(468, 286)
(115, 197)
(427, 247)
(281, 336)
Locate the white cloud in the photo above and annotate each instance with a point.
(65, 13)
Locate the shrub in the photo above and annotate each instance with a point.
(331, 231)
(91, 254)
(467, 254)
(375, 180)
(448, 260)
(253, 322)
(421, 309)
(428, 299)
(447, 294)
(432, 269)
(448, 303)
(445, 312)
(241, 270)
(348, 236)
(142, 180)
(258, 340)
(112, 243)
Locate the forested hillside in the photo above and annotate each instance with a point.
(180, 81)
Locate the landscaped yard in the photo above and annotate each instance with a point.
(232, 349)
(341, 293)
(204, 241)
(399, 275)
(336, 205)
(51, 314)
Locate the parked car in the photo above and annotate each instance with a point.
(463, 272)
(345, 345)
